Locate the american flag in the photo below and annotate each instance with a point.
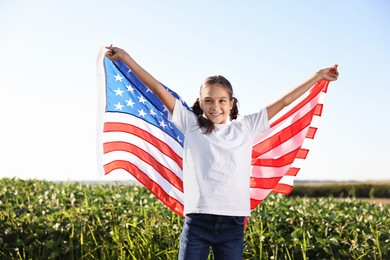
(134, 135)
(278, 154)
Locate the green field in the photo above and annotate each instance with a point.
(46, 220)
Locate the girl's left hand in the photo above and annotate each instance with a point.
(330, 74)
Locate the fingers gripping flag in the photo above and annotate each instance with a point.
(135, 136)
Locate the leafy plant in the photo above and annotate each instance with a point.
(46, 220)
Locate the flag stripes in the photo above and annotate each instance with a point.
(278, 153)
(145, 136)
(169, 197)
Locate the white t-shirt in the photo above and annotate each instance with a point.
(216, 166)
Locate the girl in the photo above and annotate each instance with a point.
(216, 159)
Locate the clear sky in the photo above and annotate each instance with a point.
(48, 51)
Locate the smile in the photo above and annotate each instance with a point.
(215, 114)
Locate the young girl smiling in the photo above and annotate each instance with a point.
(216, 158)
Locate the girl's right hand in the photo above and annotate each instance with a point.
(115, 53)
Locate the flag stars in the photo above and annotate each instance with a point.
(148, 90)
(178, 139)
(141, 113)
(118, 77)
(130, 103)
(151, 112)
(162, 124)
(141, 99)
(118, 92)
(118, 106)
(130, 88)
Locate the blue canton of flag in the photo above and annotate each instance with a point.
(125, 93)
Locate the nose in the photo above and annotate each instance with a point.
(215, 105)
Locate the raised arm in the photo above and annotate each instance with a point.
(115, 53)
(330, 74)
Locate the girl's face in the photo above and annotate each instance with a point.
(216, 103)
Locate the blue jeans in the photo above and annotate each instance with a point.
(225, 235)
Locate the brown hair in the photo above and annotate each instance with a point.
(205, 122)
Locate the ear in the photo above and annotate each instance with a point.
(201, 103)
(231, 104)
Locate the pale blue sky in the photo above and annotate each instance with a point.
(48, 78)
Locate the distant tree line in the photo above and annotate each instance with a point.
(340, 190)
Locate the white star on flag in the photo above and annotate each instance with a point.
(130, 103)
(141, 100)
(130, 88)
(118, 92)
(141, 113)
(162, 124)
(118, 78)
(118, 106)
(151, 112)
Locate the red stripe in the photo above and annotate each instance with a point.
(282, 188)
(155, 188)
(165, 172)
(279, 188)
(264, 183)
(320, 86)
(254, 203)
(293, 171)
(284, 135)
(311, 132)
(134, 130)
(302, 153)
(318, 109)
(281, 161)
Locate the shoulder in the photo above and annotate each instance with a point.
(182, 116)
(182, 109)
(257, 122)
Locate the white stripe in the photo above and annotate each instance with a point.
(269, 172)
(101, 105)
(152, 150)
(288, 180)
(147, 170)
(315, 121)
(259, 194)
(290, 145)
(307, 143)
(298, 163)
(322, 98)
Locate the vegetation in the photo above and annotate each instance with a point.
(46, 220)
(343, 189)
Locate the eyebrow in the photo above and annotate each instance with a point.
(215, 98)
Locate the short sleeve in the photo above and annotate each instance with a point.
(258, 123)
(181, 117)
